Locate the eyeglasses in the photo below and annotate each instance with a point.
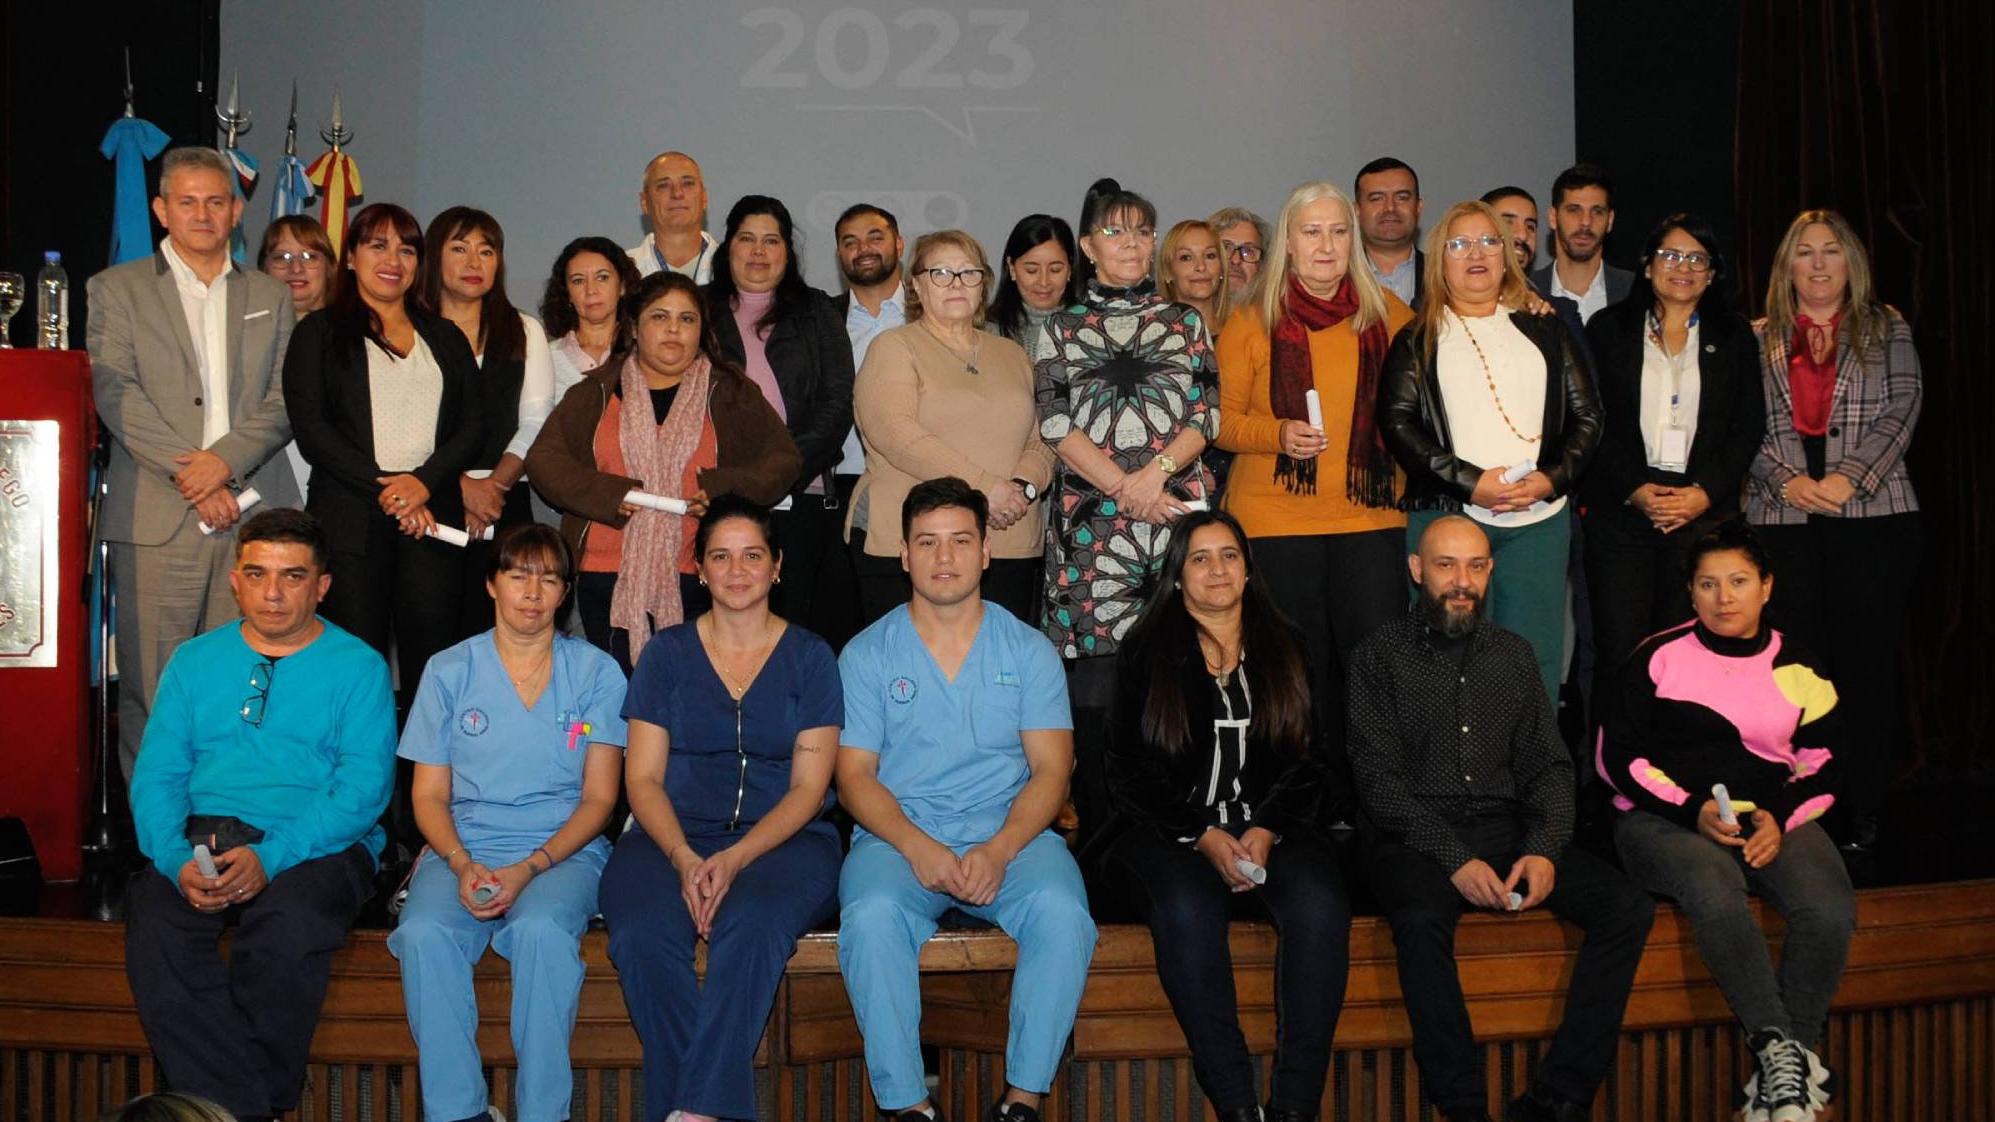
(1140, 233)
(1241, 251)
(302, 258)
(260, 676)
(948, 278)
(1461, 247)
(1677, 259)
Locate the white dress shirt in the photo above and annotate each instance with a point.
(206, 307)
(1596, 293)
(1662, 379)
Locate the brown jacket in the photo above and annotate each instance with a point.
(756, 457)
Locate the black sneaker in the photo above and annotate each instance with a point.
(1538, 1105)
(915, 1114)
(1002, 1111)
(1783, 1091)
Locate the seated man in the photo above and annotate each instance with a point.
(272, 742)
(957, 748)
(1467, 797)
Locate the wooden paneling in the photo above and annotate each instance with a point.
(1912, 1034)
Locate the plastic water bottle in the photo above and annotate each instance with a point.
(52, 303)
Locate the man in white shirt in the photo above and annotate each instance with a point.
(674, 198)
(1388, 197)
(1581, 217)
(186, 357)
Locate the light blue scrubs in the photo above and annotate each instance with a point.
(952, 754)
(516, 778)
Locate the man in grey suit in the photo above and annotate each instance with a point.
(1581, 217)
(186, 357)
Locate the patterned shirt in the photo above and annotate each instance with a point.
(1442, 733)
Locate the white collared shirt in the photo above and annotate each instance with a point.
(1596, 293)
(206, 307)
(1661, 380)
(862, 327)
(648, 260)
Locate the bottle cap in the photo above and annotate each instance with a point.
(51, 256)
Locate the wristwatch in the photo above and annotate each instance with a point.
(1025, 487)
(1169, 465)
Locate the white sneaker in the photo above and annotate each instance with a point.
(1783, 1085)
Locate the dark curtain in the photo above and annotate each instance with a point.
(1886, 112)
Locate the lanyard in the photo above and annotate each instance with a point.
(1675, 363)
(699, 259)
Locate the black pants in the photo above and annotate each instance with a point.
(1424, 907)
(819, 591)
(1337, 589)
(1011, 583)
(1635, 575)
(401, 593)
(1091, 698)
(1841, 589)
(1187, 906)
(593, 592)
(240, 1032)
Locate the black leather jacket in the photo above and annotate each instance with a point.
(1414, 423)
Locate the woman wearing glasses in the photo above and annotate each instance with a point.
(1128, 399)
(297, 251)
(1489, 410)
(1678, 374)
(940, 396)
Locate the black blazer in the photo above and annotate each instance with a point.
(1731, 409)
(1414, 423)
(1152, 787)
(327, 395)
(812, 358)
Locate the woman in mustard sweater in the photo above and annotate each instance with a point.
(1319, 505)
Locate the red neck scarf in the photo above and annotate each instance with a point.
(1811, 383)
(1291, 375)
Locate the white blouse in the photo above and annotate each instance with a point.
(536, 389)
(1515, 378)
(405, 395)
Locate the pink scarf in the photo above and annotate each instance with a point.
(647, 587)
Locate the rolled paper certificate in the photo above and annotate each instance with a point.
(485, 893)
(245, 499)
(205, 861)
(1514, 901)
(1727, 814)
(1315, 404)
(646, 499)
(479, 473)
(1195, 504)
(1517, 471)
(1251, 871)
(450, 534)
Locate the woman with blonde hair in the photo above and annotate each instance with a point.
(1829, 493)
(939, 396)
(1192, 270)
(1319, 505)
(167, 1106)
(1491, 412)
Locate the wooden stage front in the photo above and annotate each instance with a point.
(1912, 1034)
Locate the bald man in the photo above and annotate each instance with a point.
(1466, 796)
(674, 199)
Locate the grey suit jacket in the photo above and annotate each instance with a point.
(1619, 281)
(149, 394)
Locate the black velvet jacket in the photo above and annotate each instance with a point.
(1414, 422)
(812, 360)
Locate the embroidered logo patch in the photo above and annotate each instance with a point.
(1006, 678)
(901, 690)
(473, 722)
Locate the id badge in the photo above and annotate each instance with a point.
(1673, 451)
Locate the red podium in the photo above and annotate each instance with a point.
(48, 430)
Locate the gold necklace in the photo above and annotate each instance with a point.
(520, 680)
(1490, 377)
(976, 347)
(738, 689)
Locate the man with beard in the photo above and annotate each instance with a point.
(674, 198)
(869, 258)
(1466, 795)
(1582, 215)
(1388, 196)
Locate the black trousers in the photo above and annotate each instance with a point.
(1337, 589)
(1635, 575)
(819, 591)
(1424, 907)
(401, 593)
(593, 592)
(1091, 698)
(240, 1032)
(1188, 907)
(1841, 588)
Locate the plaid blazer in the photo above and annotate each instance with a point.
(1870, 423)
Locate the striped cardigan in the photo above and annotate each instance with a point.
(1870, 424)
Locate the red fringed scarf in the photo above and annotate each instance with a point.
(1291, 375)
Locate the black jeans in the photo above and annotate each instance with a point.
(1188, 908)
(1635, 575)
(819, 592)
(1841, 589)
(240, 1032)
(402, 594)
(593, 592)
(1424, 907)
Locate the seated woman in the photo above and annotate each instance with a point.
(1726, 700)
(516, 736)
(707, 432)
(745, 709)
(1214, 792)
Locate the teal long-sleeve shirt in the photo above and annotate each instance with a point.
(314, 776)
